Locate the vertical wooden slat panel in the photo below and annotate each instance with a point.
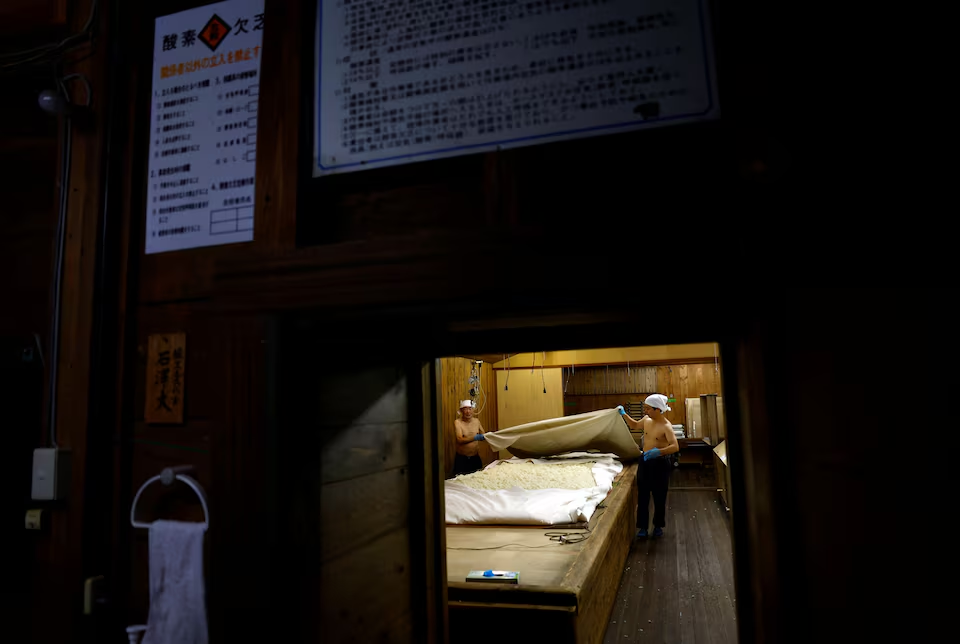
(593, 388)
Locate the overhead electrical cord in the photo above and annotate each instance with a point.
(480, 390)
(506, 385)
(50, 52)
(543, 359)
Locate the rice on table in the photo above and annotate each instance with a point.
(529, 476)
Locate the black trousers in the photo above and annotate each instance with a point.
(466, 464)
(653, 476)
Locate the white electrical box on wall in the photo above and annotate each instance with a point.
(51, 474)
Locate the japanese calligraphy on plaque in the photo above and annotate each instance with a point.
(203, 126)
(407, 80)
(166, 367)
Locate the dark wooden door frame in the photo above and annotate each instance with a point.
(446, 330)
(742, 350)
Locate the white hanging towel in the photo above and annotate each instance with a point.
(178, 613)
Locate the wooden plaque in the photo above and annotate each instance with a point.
(166, 368)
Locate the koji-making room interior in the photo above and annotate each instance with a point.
(587, 494)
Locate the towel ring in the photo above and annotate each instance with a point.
(167, 477)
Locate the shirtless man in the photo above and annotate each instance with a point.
(654, 471)
(469, 433)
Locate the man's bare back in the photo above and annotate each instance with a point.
(468, 429)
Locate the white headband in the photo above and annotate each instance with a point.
(466, 403)
(658, 401)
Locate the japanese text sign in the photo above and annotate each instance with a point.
(408, 80)
(166, 368)
(203, 126)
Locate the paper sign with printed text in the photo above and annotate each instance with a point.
(203, 126)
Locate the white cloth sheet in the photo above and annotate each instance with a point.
(517, 506)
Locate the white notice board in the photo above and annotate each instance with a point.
(203, 135)
(408, 80)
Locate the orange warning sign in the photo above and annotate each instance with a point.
(214, 32)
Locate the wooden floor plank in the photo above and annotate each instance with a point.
(717, 516)
(710, 570)
(693, 476)
(668, 617)
(695, 556)
(679, 588)
(685, 581)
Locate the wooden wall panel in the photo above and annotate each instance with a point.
(365, 596)
(62, 553)
(573, 405)
(28, 219)
(686, 381)
(357, 510)
(454, 388)
(525, 401)
(609, 380)
(27, 228)
(674, 381)
(346, 505)
(655, 354)
(19, 16)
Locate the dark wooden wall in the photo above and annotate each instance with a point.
(50, 566)
(364, 246)
(225, 433)
(346, 486)
(28, 181)
(22, 21)
(560, 229)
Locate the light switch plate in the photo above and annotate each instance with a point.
(33, 520)
(51, 474)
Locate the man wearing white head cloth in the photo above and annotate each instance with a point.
(653, 475)
(469, 435)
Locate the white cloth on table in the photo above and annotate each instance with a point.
(517, 506)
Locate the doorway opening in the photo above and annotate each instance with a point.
(546, 545)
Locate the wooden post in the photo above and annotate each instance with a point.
(708, 418)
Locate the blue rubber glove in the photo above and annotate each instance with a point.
(654, 453)
(479, 437)
(620, 409)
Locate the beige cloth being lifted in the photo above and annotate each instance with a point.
(603, 431)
